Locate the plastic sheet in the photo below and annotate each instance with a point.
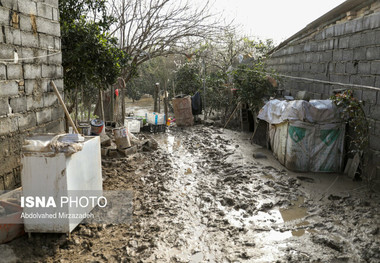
(315, 111)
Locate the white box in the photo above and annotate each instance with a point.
(60, 175)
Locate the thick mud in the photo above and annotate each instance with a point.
(203, 197)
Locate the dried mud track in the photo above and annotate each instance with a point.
(201, 197)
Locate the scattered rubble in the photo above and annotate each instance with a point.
(199, 198)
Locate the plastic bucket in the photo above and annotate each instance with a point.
(121, 137)
(97, 127)
(84, 129)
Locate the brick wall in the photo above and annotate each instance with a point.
(31, 29)
(347, 51)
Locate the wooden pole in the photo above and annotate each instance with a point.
(237, 106)
(101, 105)
(156, 91)
(64, 106)
(166, 102)
(123, 103)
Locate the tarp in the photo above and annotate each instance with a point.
(315, 111)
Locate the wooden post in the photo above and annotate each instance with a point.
(166, 102)
(112, 107)
(64, 107)
(101, 105)
(123, 102)
(156, 92)
(237, 106)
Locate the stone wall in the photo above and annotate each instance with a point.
(29, 30)
(346, 51)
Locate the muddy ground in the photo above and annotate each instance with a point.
(203, 197)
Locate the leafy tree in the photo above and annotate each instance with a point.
(188, 79)
(91, 57)
(251, 82)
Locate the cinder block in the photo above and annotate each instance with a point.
(49, 99)
(59, 84)
(373, 53)
(360, 53)
(59, 70)
(57, 113)
(45, 11)
(18, 104)
(28, 7)
(368, 80)
(369, 96)
(358, 24)
(375, 67)
(28, 39)
(12, 36)
(3, 72)
(33, 103)
(326, 56)
(372, 21)
(43, 116)
(339, 29)
(11, 4)
(46, 41)
(55, 14)
(375, 112)
(4, 106)
(25, 23)
(340, 78)
(355, 40)
(55, 126)
(49, 71)
(348, 55)
(352, 67)
(57, 43)
(344, 42)
(9, 88)
(27, 121)
(53, 3)
(8, 125)
(4, 16)
(337, 55)
(14, 71)
(376, 127)
(374, 142)
(55, 59)
(48, 27)
(349, 27)
(6, 51)
(340, 67)
(356, 79)
(369, 38)
(32, 71)
(329, 32)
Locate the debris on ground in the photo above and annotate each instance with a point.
(199, 198)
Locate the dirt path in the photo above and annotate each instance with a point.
(202, 197)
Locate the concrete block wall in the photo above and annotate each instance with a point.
(29, 30)
(346, 52)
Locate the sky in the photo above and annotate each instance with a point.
(275, 19)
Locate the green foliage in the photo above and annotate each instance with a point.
(353, 113)
(252, 84)
(91, 58)
(219, 95)
(188, 79)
